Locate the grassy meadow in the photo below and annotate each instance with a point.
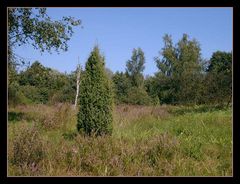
(146, 141)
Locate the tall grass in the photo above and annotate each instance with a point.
(146, 141)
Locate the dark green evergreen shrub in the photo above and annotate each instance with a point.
(95, 98)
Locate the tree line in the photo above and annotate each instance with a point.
(183, 77)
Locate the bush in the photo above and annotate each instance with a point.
(138, 96)
(155, 100)
(15, 95)
(96, 98)
(66, 94)
(31, 92)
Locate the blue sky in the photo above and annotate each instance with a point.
(118, 30)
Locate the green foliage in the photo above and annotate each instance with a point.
(129, 87)
(12, 72)
(122, 85)
(15, 95)
(162, 86)
(35, 27)
(138, 96)
(65, 90)
(95, 97)
(135, 67)
(150, 85)
(179, 71)
(168, 63)
(32, 93)
(219, 78)
(36, 75)
(66, 94)
(181, 79)
(155, 100)
(40, 84)
(221, 62)
(219, 88)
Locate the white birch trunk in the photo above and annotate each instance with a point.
(78, 81)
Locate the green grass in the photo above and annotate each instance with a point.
(146, 141)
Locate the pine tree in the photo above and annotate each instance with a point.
(95, 98)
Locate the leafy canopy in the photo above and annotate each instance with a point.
(35, 27)
(135, 67)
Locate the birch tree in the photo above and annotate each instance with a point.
(78, 84)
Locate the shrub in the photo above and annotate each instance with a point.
(96, 98)
(31, 92)
(138, 96)
(15, 95)
(65, 95)
(155, 100)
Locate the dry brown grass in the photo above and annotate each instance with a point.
(26, 149)
(125, 114)
(49, 117)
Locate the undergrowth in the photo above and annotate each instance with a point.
(146, 141)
